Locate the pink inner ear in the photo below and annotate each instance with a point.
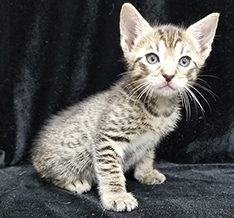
(130, 43)
(131, 36)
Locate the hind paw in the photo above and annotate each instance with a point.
(153, 177)
(78, 186)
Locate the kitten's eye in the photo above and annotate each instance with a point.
(152, 58)
(184, 61)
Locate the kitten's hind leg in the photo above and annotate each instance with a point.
(145, 173)
(77, 186)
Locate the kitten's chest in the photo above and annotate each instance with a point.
(148, 140)
(162, 125)
(131, 153)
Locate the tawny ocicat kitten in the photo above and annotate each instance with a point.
(99, 139)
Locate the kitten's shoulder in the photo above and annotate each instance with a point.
(91, 106)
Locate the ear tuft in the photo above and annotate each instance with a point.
(204, 31)
(132, 24)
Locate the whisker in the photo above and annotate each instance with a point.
(182, 98)
(122, 60)
(135, 81)
(203, 81)
(194, 98)
(139, 85)
(151, 92)
(207, 90)
(185, 103)
(189, 96)
(137, 89)
(122, 74)
(142, 93)
(206, 75)
(202, 96)
(150, 89)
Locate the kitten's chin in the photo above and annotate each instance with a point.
(166, 91)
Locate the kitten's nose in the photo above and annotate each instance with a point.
(168, 77)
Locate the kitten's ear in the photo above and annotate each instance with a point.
(204, 31)
(132, 24)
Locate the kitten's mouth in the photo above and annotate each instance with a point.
(167, 89)
(167, 86)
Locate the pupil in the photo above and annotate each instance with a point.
(152, 58)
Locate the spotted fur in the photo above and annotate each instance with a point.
(99, 139)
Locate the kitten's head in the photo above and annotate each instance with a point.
(164, 60)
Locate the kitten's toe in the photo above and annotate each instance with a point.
(119, 202)
(151, 178)
(79, 186)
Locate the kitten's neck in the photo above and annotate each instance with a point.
(161, 106)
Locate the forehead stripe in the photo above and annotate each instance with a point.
(177, 41)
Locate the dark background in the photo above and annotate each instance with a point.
(55, 53)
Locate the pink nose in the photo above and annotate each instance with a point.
(168, 78)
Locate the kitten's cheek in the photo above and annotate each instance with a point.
(179, 84)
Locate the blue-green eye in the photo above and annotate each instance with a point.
(152, 58)
(184, 61)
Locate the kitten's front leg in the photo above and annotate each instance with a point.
(145, 173)
(111, 181)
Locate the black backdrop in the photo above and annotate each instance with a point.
(55, 53)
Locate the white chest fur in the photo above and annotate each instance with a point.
(131, 153)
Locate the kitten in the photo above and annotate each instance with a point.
(109, 133)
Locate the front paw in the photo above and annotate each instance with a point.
(151, 178)
(119, 201)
